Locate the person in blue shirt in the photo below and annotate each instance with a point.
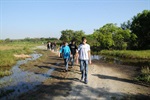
(66, 55)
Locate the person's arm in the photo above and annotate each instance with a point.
(89, 54)
(77, 54)
(70, 51)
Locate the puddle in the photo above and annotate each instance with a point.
(122, 61)
(107, 59)
(21, 81)
(96, 57)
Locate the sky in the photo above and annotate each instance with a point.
(20, 19)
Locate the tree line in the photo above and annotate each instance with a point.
(132, 35)
(33, 40)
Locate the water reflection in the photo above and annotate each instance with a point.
(96, 57)
(21, 81)
(111, 59)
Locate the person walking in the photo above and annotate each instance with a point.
(55, 48)
(66, 55)
(84, 58)
(48, 46)
(60, 50)
(73, 49)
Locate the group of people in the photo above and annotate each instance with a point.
(51, 46)
(81, 53)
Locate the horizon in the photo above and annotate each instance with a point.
(43, 19)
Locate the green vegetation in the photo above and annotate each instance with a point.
(45, 55)
(142, 54)
(5, 73)
(145, 75)
(7, 51)
(68, 35)
(131, 40)
(133, 35)
(140, 26)
(135, 58)
(8, 48)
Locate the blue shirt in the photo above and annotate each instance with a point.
(66, 51)
(61, 49)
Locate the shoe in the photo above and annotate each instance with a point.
(86, 82)
(66, 70)
(82, 79)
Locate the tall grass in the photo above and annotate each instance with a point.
(7, 58)
(5, 73)
(143, 54)
(16, 45)
(7, 51)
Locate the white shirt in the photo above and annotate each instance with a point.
(83, 51)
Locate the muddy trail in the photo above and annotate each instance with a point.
(106, 81)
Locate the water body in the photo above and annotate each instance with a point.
(21, 81)
(111, 59)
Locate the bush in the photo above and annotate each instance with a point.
(145, 75)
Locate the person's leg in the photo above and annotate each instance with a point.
(72, 60)
(82, 69)
(86, 71)
(67, 61)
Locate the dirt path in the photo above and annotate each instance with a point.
(106, 82)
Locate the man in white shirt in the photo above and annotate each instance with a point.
(85, 58)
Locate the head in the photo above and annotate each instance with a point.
(65, 43)
(73, 42)
(84, 40)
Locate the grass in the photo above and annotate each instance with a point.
(45, 55)
(7, 56)
(5, 73)
(16, 45)
(130, 54)
(7, 51)
(145, 75)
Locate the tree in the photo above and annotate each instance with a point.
(133, 44)
(104, 35)
(110, 36)
(126, 25)
(141, 27)
(7, 40)
(91, 40)
(67, 35)
(27, 39)
(78, 35)
(121, 38)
